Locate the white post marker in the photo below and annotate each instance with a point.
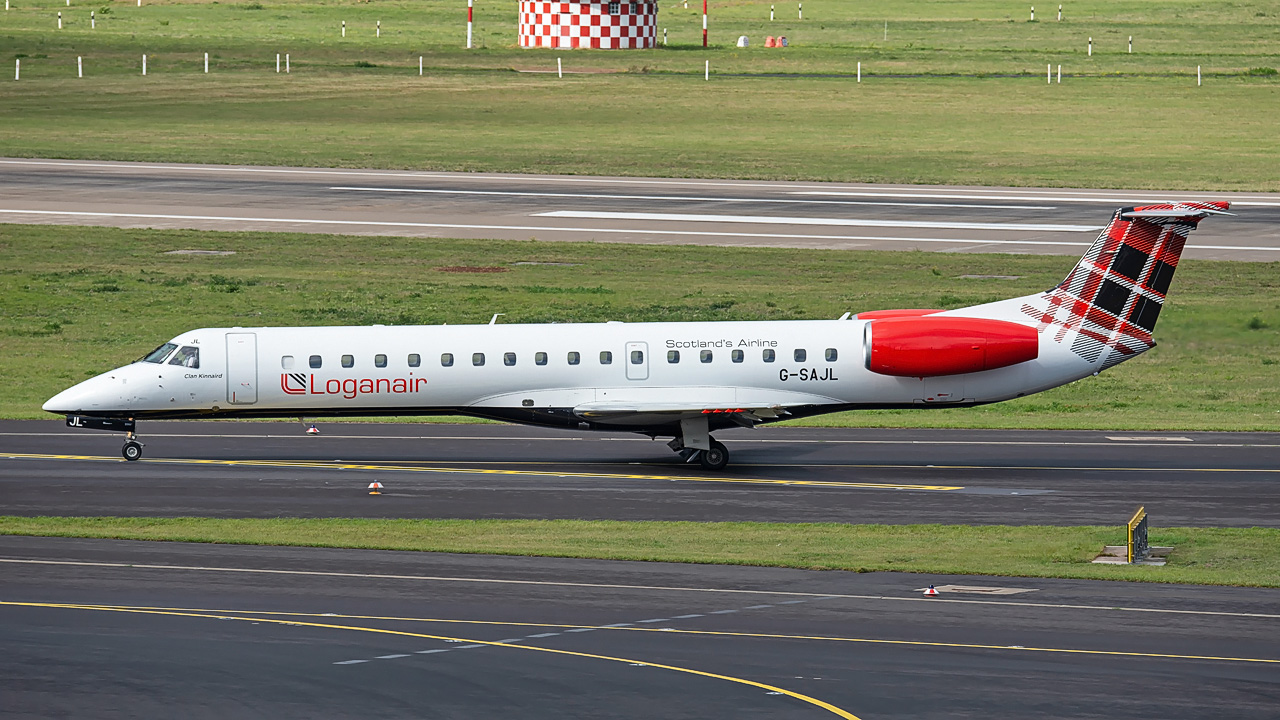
(139, 3)
(344, 28)
(664, 36)
(1033, 13)
(1059, 74)
(277, 62)
(1090, 47)
(93, 21)
(707, 72)
(1059, 13)
(59, 19)
(1197, 76)
(886, 31)
(79, 66)
(17, 68)
(144, 62)
(286, 63)
(859, 71)
(419, 66)
(469, 3)
(1131, 43)
(206, 63)
(770, 13)
(559, 69)
(800, 12)
(379, 33)
(1048, 74)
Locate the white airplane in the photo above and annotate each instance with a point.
(679, 380)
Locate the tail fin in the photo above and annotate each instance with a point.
(1113, 296)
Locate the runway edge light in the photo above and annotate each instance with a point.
(375, 488)
(931, 591)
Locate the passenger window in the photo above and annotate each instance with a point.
(540, 358)
(800, 355)
(348, 361)
(574, 358)
(446, 360)
(286, 362)
(509, 359)
(606, 357)
(158, 355)
(637, 357)
(831, 355)
(477, 359)
(379, 360)
(415, 360)
(736, 356)
(673, 356)
(705, 356)
(769, 356)
(188, 356)
(314, 362)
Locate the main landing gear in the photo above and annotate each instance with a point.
(695, 443)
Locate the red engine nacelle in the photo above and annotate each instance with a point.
(930, 346)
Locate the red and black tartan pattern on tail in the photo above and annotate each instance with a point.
(1113, 297)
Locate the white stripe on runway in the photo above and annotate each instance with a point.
(686, 198)
(603, 231)
(836, 222)
(1056, 197)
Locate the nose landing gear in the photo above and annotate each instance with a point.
(132, 449)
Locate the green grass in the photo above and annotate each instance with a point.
(1118, 120)
(1210, 556)
(75, 302)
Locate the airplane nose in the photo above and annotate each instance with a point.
(94, 394)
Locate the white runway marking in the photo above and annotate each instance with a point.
(685, 198)
(603, 231)
(1054, 196)
(833, 222)
(654, 588)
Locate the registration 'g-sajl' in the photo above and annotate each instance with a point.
(678, 380)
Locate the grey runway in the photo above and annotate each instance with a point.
(112, 629)
(253, 469)
(602, 209)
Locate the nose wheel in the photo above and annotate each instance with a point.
(132, 449)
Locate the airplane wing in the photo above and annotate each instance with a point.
(625, 412)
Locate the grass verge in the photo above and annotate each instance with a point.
(75, 302)
(1206, 556)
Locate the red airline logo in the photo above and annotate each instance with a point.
(349, 388)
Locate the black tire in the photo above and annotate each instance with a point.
(131, 451)
(716, 458)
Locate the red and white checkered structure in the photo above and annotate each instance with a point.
(602, 25)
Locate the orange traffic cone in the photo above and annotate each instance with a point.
(931, 591)
(375, 488)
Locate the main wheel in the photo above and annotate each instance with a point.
(131, 451)
(715, 458)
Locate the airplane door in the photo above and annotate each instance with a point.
(242, 368)
(637, 361)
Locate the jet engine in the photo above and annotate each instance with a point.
(929, 346)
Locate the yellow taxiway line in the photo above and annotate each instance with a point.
(250, 617)
(315, 465)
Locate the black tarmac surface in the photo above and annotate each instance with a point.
(110, 629)
(243, 469)
(603, 209)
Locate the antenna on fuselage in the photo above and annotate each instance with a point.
(494, 320)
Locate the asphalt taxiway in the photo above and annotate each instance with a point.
(255, 469)
(114, 629)
(605, 209)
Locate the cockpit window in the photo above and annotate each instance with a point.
(158, 355)
(188, 356)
